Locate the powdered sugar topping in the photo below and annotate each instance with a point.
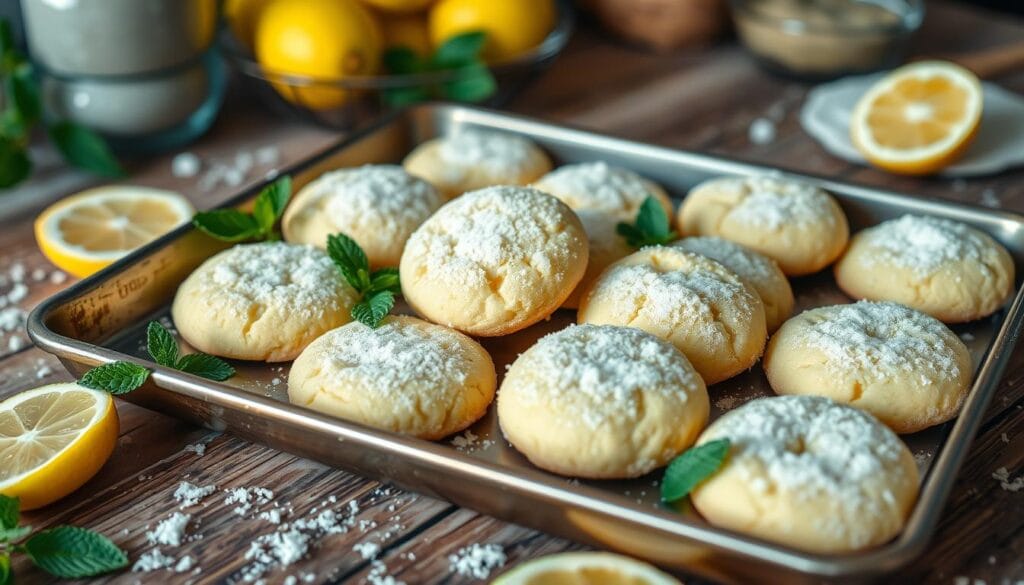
(743, 261)
(772, 203)
(373, 195)
(597, 186)
(924, 243)
(496, 152)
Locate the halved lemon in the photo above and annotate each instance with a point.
(84, 233)
(585, 568)
(919, 118)
(52, 440)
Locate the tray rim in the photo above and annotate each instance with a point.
(935, 486)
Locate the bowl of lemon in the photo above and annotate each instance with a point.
(336, 62)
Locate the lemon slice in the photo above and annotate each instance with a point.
(52, 440)
(919, 118)
(86, 232)
(585, 568)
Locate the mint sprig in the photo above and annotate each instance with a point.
(690, 468)
(68, 552)
(376, 289)
(23, 110)
(232, 225)
(473, 80)
(651, 227)
(123, 377)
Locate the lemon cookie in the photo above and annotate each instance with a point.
(406, 376)
(601, 195)
(471, 159)
(757, 270)
(695, 303)
(494, 261)
(796, 224)
(378, 206)
(263, 301)
(904, 367)
(947, 269)
(600, 401)
(809, 473)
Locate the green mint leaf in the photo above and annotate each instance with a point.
(385, 279)
(695, 465)
(373, 308)
(402, 61)
(9, 511)
(14, 534)
(5, 568)
(633, 236)
(229, 225)
(397, 97)
(270, 203)
(161, 344)
(351, 260)
(205, 366)
(15, 165)
(20, 88)
(115, 377)
(70, 552)
(84, 149)
(6, 37)
(652, 226)
(459, 50)
(475, 84)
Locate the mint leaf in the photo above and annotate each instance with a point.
(459, 50)
(70, 552)
(229, 225)
(385, 279)
(350, 259)
(14, 534)
(475, 83)
(651, 228)
(270, 203)
(205, 366)
(84, 148)
(373, 308)
(397, 97)
(402, 61)
(695, 465)
(20, 88)
(15, 165)
(5, 568)
(116, 377)
(9, 511)
(161, 344)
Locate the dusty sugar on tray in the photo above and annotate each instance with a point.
(170, 531)
(188, 494)
(477, 560)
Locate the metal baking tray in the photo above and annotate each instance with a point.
(102, 319)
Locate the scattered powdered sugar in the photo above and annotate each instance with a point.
(367, 550)
(597, 186)
(247, 498)
(609, 365)
(477, 560)
(924, 243)
(878, 339)
(811, 447)
(188, 494)
(469, 442)
(744, 262)
(1002, 475)
(170, 531)
(494, 152)
(153, 560)
(378, 575)
(773, 203)
(761, 131)
(198, 448)
(374, 197)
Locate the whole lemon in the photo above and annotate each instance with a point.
(409, 30)
(512, 26)
(323, 39)
(242, 16)
(401, 5)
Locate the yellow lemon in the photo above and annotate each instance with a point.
(242, 17)
(86, 232)
(408, 31)
(323, 39)
(512, 26)
(53, 439)
(919, 118)
(400, 6)
(585, 568)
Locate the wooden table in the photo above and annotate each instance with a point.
(700, 100)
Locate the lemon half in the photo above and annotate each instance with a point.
(585, 568)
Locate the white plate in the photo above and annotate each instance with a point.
(998, 146)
